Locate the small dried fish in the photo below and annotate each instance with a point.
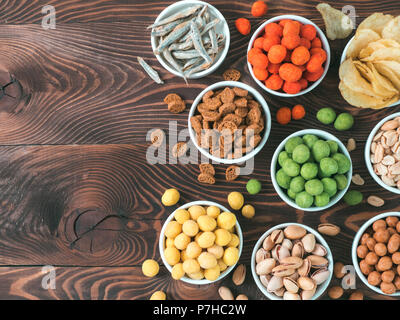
(192, 62)
(188, 54)
(150, 71)
(201, 67)
(165, 29)
(179, 15)
(173, 63)
(198, 43)
(175, 34)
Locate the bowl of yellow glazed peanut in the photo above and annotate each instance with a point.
(200, 242)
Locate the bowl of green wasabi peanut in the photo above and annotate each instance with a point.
(311, 170)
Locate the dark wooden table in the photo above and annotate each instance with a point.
(76, 191)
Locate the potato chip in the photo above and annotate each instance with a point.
(381, 85)
(391, 70)
(384, 54)
(379, 44)
(375, 22)
(352, 78)
(392, 30)
(337, 24)
(361, 40)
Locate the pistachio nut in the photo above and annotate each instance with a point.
(280, 292)
(318, 261)
(294, 276)
(306, 283)
(283, 271)
(298, 249)
(265, 266)
(277, 236)
(328, 229)
(264, 278)
(280, 252)
(304, 270)
(290, 285)
(291, 296)
(274, 284)
(287, 244)
(308, 242)
(294, 232)
(319, 250)
(262, 254)
(308, 294)
(268, 244)
(292, 262)
(320, 275)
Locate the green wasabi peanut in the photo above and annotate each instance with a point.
(283, 155)
(253, 186)
(343, 162)
(309, 171)
(322, 174)
(291, 194)
(353, 197)
(326, 115)
(292, 143)
(344, 121)
(301, 154)
(328, 166)
(291, 168)
(330, 186)
(320, 150)
(322, 200)
(314, 187)
(283, 179)
(310, 139)
(333, 146)
(304, 199)
(341, 181)
(297, 184)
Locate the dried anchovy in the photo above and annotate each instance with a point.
(173, 36)
(198, 43)
(192, 62)
(165, 29)
(179, 15)
(188, 54)
(150, 71)
(201, 67)
(174, 64)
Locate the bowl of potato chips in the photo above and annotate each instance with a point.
(370, 65)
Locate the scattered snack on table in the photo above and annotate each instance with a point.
(243, 26)
(329, 229)
(259, 9)
(150, 268)
(311, 170)
(379, 255)
(157, 137)
(370, 75)
(344, 121)
(170, 197)
(253, 186)
(239, 275)
(175, 103)
(188, 40)
(292, 264)
(207, 173)
(375, 201)
(228, 122)
(351, 145)
(150, 71)
(235, 200)
(385, 153)
(231, 75)
(353, 197)
(326, 115)
(158, 295)
(298, 112)
(337, 24)
(179, 149)
(232, 172)
(284, 58)
(284, 115)
(197, 239)
(248, 211)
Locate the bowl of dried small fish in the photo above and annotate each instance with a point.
(382, 153)
(190, 39)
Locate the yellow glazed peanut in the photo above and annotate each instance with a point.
(248, 211)
(181, 241)
(190, 228)
(234, 241)
(231, 256)
(197, 275)
(206, 223)
(213, 211)
(212, 274)
(169, 242)
(196, 211)
(177, 271)
(222, 265)
(172, 255)
(170, 197)
(216, 250)
(191, 266)
(235, 200)
(193, 250)
(226, 220)
(207, 260)
(158, 295)
(222, 237)
(206, 239)
(184, 255)
(181, 215)
(150, 268)
(172, 229)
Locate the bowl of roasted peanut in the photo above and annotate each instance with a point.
(382, 153)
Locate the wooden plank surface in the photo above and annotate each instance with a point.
(76, 190)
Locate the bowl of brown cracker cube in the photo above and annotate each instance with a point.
(229, 122)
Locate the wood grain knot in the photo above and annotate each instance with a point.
(10, 92)
(90, 230)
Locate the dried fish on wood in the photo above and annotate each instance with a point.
(150, 71)
(179, 15)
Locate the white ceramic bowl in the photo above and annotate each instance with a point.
(344, 58)
(325, 46)
(367, 153)
(356, 242)
(326, 136)
(321, 288)
(257, 96)
(222, 27)
(161, 242)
